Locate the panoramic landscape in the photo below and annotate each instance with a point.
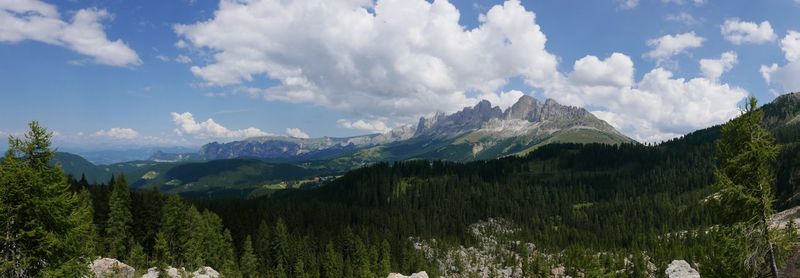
(400, 138)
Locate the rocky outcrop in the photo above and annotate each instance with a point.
(205, 272)
(681, 269)
(422, 274)
(111, 268)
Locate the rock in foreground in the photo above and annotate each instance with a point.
(681, 269)
(422, 274)
(107, 267)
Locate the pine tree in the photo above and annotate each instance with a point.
(42, 224)
(280, 271)
(745, 179)
(385, 262)
(249, 262)
(331, 262)
(137, 258)
(161, 254)
(299, 269)
(120, 220)
(361, 260)
(262, 247)
(280, 243)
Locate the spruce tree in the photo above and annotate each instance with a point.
(299, 269)
(331, 262)
(280, 243)
(161, 253)
(249, 262)
(120, 220)
(262, 247)
(44, 227)
(138, 259)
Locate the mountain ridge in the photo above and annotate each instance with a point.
(481, 126)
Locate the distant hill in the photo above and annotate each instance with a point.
(219, 178)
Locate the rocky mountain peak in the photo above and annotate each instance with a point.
(550, 115)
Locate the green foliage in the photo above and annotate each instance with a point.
(249, 262)
(745, 181)
(41, 221)
(138, 259)
(120, 220)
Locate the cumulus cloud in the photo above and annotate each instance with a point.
(83, 33)
(117, 133)
(210, 129)
(739, 32)
(784, 78)
(666, 46)
(394, 60)
(657, 107)
(377, 126)
(388, 58)
(296, 133)
(714, 68)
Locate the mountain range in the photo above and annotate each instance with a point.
(479, 132)
(265, 164)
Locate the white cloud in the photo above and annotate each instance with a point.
(714, 68)
(667, 46)
(183, 59)
(398, 58)
(296, 133)
(682, 2)
(377, 126)
(790, 44)
(784, 78)
(739, 32)
(657, 107)
(210, 129)
(628, 4)
(118, 133)
(39, 21)
(683, 17)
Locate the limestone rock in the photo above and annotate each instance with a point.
(112, 268)
(421, 274)
(681, 269)
(205, 272)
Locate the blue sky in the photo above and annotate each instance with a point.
(149, 67)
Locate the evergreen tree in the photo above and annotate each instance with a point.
(248, 261)
(137, 258)
(280, 271)
(161, 254)
(745, 179)
(385, 262)
(361, 260)
(40, 219)
(331, 262)
(262, 247)
(120, 220)
(299, 269)
(280, 243)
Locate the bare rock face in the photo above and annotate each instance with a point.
(107, 267)
(205, 272)
(422, 274)
(681, 269)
